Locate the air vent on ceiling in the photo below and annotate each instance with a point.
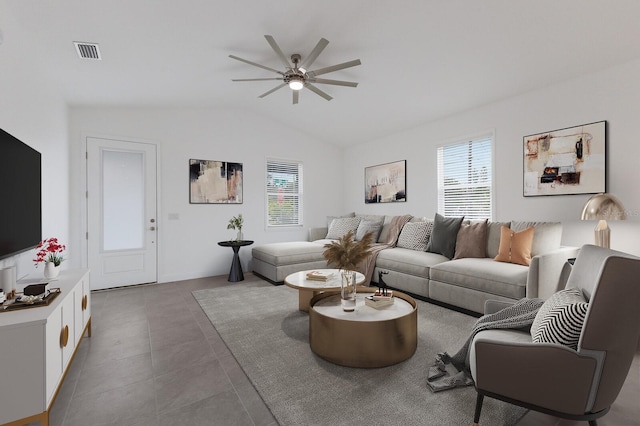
(88, 50)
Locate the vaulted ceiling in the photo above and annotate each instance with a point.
(421, 59)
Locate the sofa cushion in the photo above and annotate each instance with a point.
(515, 247)
(411, 262)
(288, 253)
(560, 318)
(493, 237)
(471, 240)
(365, 226)
(341, 226)
(546, 238)
(443, 236)
(415, 235)
(484, 275)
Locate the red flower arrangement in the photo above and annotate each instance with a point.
(49, 251)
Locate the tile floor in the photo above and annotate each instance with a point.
(155, 359)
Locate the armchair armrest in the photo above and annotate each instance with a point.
(548, 272)
(317, 233)
(507, 363)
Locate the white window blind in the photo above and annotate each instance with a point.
(284, 193)
(465, 179)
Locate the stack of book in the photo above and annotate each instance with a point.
(379, 299)
(320, 275)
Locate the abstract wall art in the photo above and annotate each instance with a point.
(385, 183)
(565, 161)
(215, 182)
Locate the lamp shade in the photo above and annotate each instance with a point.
(603, 207)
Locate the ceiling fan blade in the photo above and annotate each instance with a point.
(319, 92)
(255, 79)
(278, 51)
(273, 90)
(296, 95)
(334, 82)
(255, 64)
(314, 53)
(334, 68)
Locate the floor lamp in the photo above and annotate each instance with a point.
(603, 207)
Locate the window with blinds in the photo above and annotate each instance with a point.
(465, 178)
(284, 193)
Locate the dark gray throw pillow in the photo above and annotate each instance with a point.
(444, 234)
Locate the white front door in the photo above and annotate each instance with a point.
(121, 212)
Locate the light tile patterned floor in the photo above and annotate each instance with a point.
(154, 359)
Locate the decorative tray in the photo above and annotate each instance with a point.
(14, 304)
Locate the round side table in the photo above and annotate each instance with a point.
(235, 274)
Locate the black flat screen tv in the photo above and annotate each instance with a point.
(20, 196)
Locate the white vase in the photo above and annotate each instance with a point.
(51, 270)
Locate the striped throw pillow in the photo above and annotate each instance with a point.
(560, 318)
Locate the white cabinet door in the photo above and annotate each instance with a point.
(67, 332)
(54, 354)
(82, 306)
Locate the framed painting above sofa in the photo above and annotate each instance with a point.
(565, 161)
(386, 183)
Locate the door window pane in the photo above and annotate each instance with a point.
(123, 200)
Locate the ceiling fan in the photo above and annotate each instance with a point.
(297, 74)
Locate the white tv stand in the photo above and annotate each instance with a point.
(37, 347)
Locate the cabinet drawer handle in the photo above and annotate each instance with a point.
(64, 336)
(84, 302)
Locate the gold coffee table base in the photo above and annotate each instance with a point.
(372, 339)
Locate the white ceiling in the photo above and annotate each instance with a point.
(421, 59)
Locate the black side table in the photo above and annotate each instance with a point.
(235, 274)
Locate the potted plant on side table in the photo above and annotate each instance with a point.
(236, 223)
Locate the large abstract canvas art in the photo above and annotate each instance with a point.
(385, 183)
(565, 161)
(215, 182)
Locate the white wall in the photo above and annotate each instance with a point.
(32, 110)
(612, 95)
(188, 246)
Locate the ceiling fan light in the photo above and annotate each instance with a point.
(296, 85)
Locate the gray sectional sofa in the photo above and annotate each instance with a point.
(464, 283)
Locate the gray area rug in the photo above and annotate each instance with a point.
(268, 336)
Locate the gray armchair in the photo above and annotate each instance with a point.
(555, 379)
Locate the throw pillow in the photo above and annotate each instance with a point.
(515, 247)
(365, 226)
(414, 235)
(340, 226)
(560, 318)
(330, 218)
(472, 240)
(443, 236)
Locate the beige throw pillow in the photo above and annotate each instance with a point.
(471, 240)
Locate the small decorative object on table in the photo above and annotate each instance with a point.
(346, 254)
(50, 251)
(236, 222)
(320, 275)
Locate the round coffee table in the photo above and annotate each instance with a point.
(367, 337)
(309, 288)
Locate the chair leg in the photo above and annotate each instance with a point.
(593, 423)
(476, 416)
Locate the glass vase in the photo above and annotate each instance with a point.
(348, 290)
(240, 236)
